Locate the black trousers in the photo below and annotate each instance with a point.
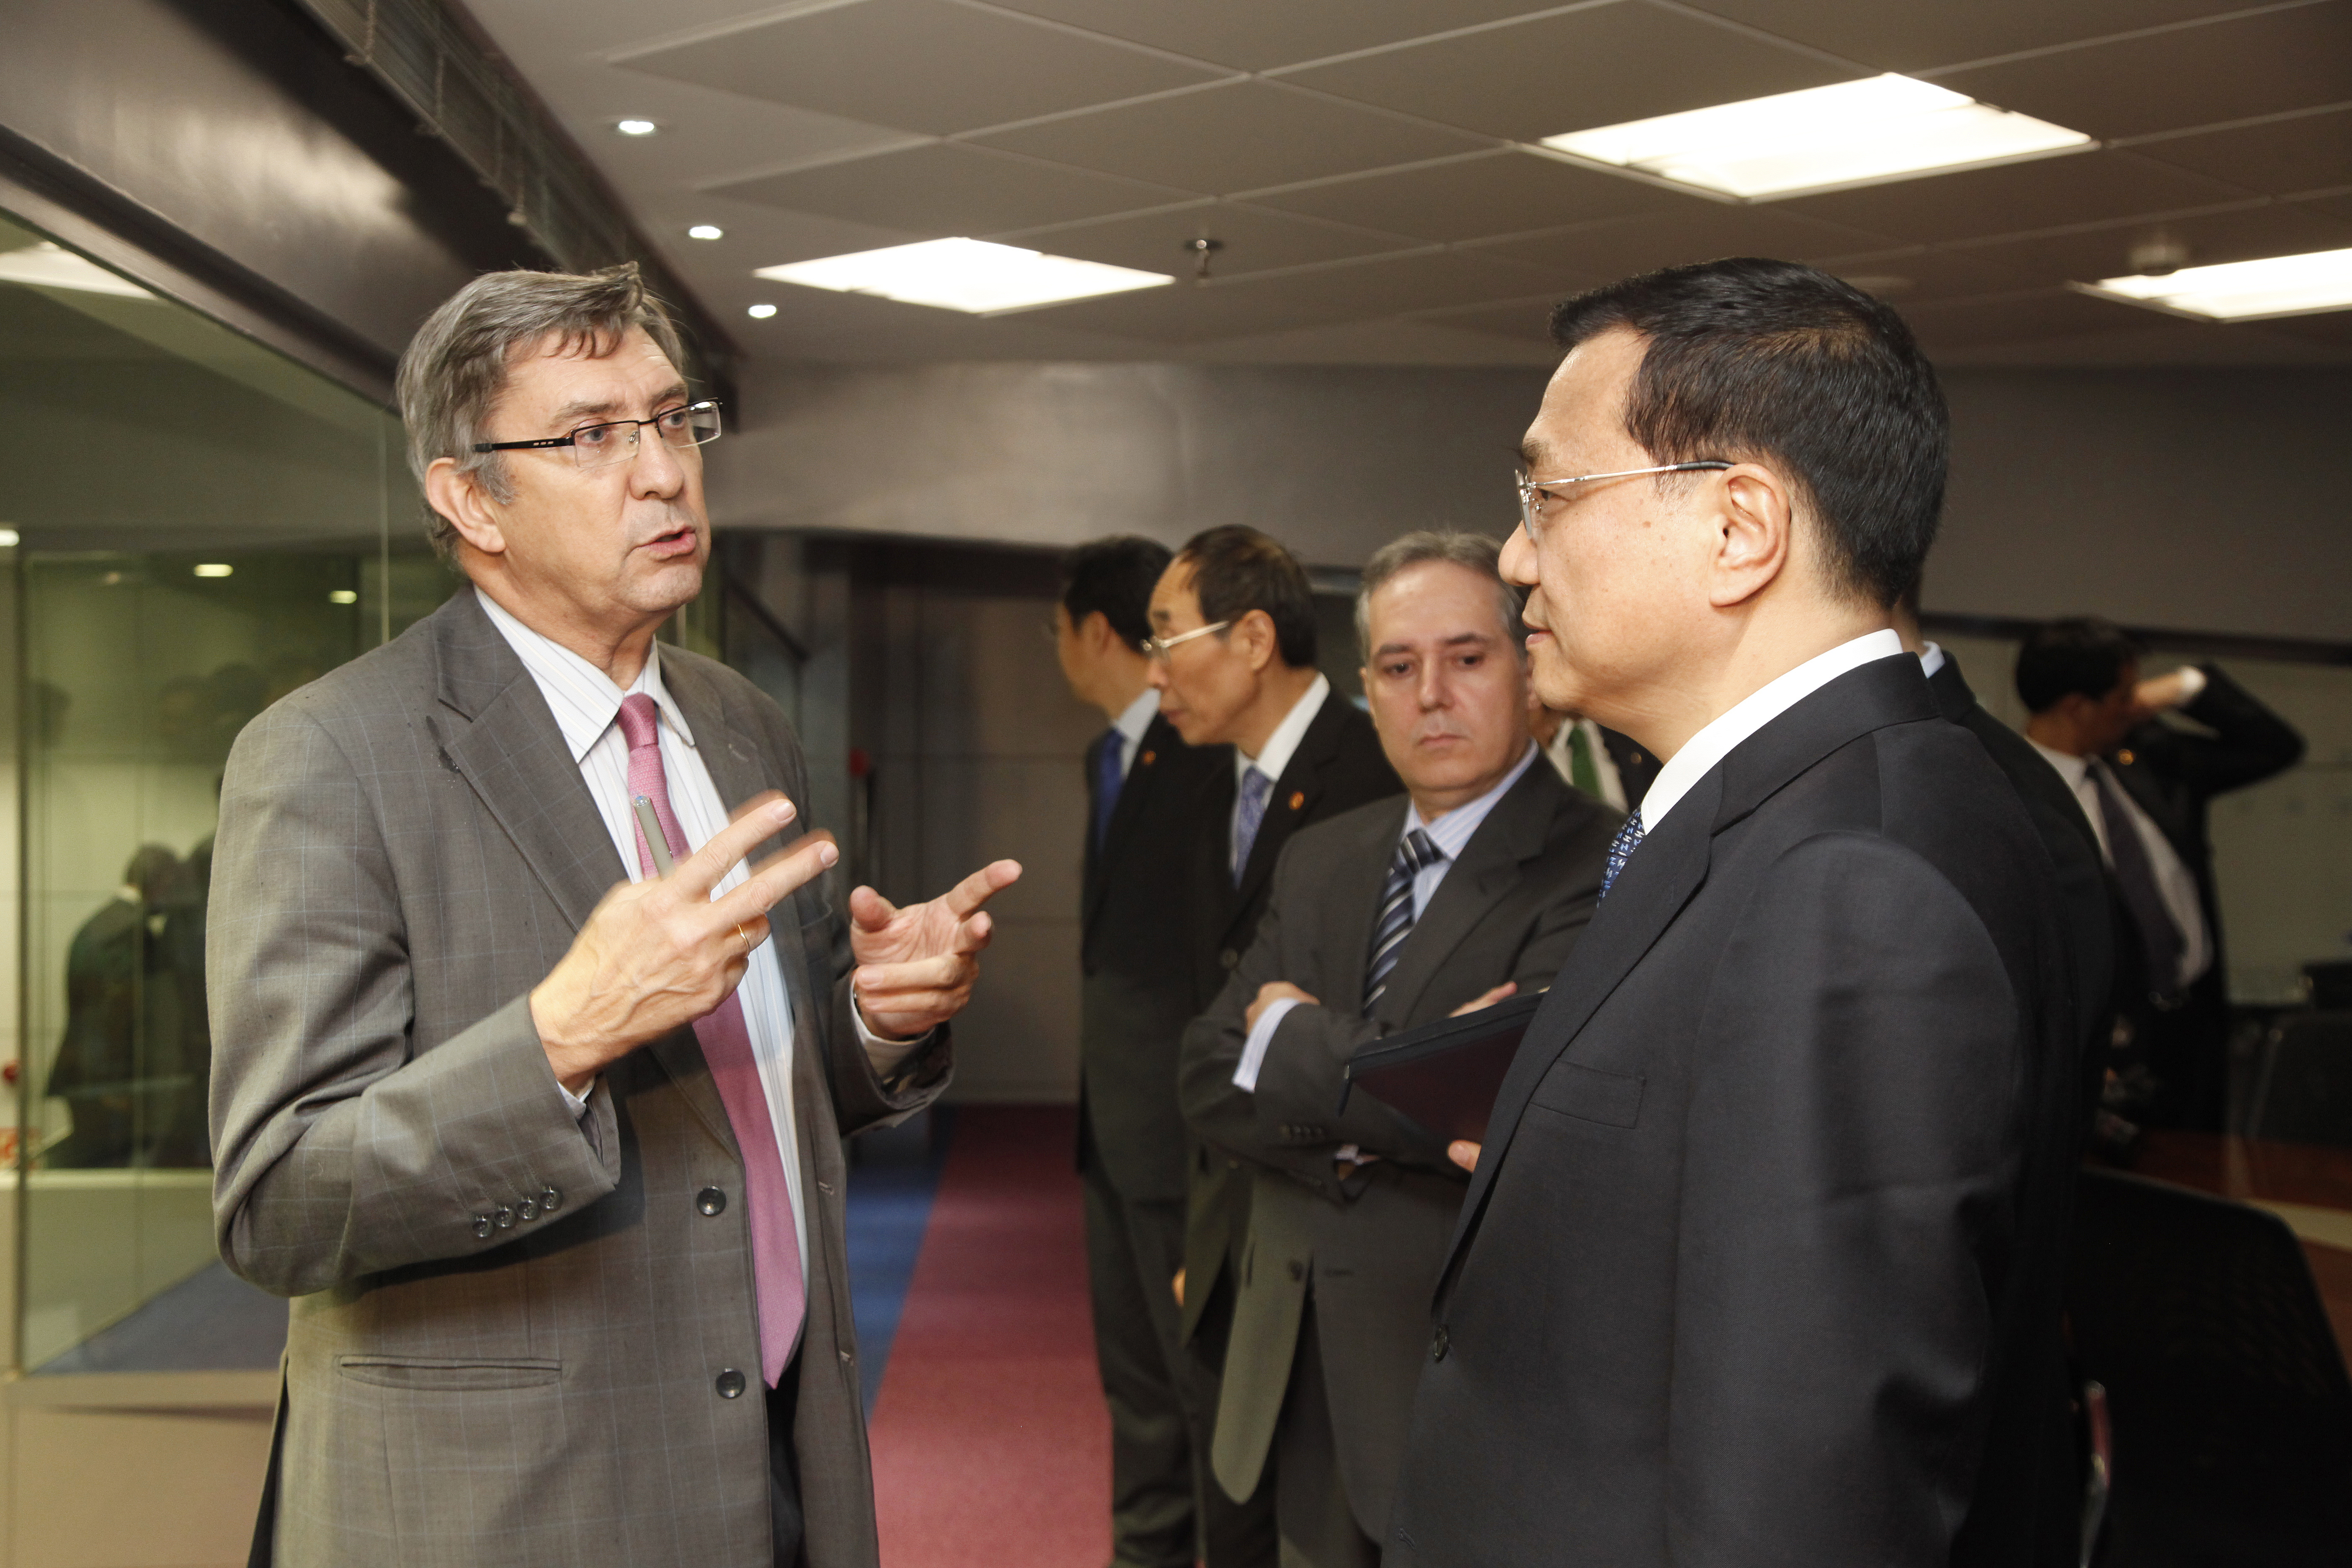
(784, 1469)
(1133, 1250)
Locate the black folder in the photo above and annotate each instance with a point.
(1444, 1075)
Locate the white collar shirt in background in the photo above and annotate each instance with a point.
(1452, 833)
(1280, 747)
(1722, 736)
(1132, 722)
(1931, 659)
(2175, 883)
(586, 705)
(1604, 766)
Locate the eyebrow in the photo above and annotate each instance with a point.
(1458, 640)
(581, 407)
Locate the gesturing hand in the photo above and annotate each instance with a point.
(661, 952)
(916, 966)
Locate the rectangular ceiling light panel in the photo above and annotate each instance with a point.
(2241, 290)
(969, 275)
(1823, 137)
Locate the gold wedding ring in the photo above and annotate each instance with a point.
(746, 939)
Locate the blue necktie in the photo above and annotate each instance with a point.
(1256, 788)
(1416, 852)
(1621, 850)
(1108, 776)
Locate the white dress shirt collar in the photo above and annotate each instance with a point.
(581, 697)
(1931, 659)
(1283, 744)
(1132, 722)
(1722, 736)
(1453, 830)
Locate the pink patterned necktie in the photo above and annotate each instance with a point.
(727, 1048)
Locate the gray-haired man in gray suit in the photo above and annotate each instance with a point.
(548, 1159)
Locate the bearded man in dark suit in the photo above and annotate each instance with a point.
(1761, 1261)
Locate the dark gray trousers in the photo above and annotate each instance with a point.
(1133, 1250)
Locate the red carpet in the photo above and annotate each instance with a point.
(991, 1448)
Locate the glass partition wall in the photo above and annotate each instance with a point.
(194, 527)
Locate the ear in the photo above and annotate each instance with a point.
(1095, 633)
(470, 509)
(1255, 633)
(1754, 520)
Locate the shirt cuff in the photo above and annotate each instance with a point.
(577, 1103)
(1261, 1036)
(885, 1053)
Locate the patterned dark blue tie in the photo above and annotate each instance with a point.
(1256, 788)
(1415, 853)
(1621, 850)
(1108, 776)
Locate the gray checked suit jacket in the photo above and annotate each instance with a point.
(510, 1330)
(1510, 909)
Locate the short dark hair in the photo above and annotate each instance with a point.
(1113, 577)
(1236, 569)
(2082, 656)
(1750, 359)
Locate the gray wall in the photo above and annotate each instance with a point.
(2197, 500)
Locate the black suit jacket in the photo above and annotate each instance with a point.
(2093, 914)
(1510, 909)
(1136, 989)
(1761, 1262)
(2174, 775)
(1339, 765)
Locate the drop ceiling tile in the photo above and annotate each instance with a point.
(919, 65)
(1592, 66)
(1253, 240)
(2284, 230)
(2338, 202)
(1258, 35)
(1696, 231)
(1474, 198)
(947, 188)
(2332, 329)
(1916, 276)
(2260, 63)
(1901, 38)
(2309, 152)
(2011, 318)
(1359, 291)
(1522, 320)
(2016, 198)
(1236, 137)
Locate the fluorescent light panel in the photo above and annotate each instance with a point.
(1823, 137)
(48, 266)
(969, 275)
(2241, 290)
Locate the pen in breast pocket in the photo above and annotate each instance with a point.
(651, 828)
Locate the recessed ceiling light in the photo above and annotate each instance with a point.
(969, 275)
(9, 538)
(2241, 290)
(705, 231)
(635, 127)
(215, 569)
(1823, 137)
(761, 312)
(342, 596)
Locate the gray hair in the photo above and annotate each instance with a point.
(455, 366)
(1474, 550)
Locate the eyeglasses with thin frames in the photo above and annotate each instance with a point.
(1536, 494)
(616, 440)
(1157, 647)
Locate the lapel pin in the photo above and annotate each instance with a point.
(1149, 757)
(2125, 757)
(1298, 798)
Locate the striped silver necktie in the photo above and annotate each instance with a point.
(1415, 853)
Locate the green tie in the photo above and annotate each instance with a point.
(1581, 773)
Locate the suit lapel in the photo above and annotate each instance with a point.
(496, 732)
(1293, 799)
(1357, 884)
(1143, 779)
(1512, 834)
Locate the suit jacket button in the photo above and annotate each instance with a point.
(709, 1201)
(1229, 958)
(1298, 1269)
(505, 1216)
(481, 1227)
(731, 1385)
(527, 1210)
(550, 1200)
(1438, 1344)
